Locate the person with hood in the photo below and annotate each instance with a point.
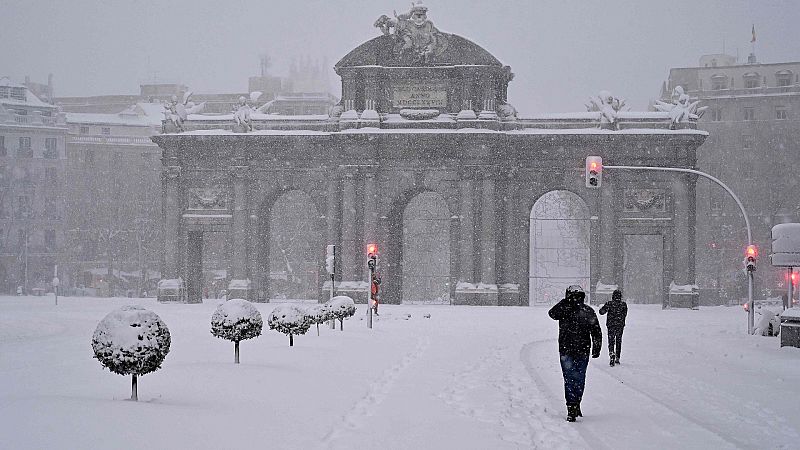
(579, 334)
(615, 323)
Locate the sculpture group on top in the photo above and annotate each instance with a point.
(682, 109)
(416, 36)
(608, 106)
(177, 112)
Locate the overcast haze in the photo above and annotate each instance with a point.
(561, 51)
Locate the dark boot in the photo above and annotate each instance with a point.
(572, 412)
(611, 363)
(578, 410)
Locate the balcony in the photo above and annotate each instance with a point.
(25, 152)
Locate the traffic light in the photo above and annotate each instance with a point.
(372, 254)
(330, 259)
(594, 171)
(750, 258)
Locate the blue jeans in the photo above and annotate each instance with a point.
(574, 370)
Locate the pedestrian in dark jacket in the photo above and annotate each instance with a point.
(615, 323)
(579, 334)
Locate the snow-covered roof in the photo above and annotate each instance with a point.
(140, 114)
(30, 98)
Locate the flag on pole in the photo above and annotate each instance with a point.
(753, 39)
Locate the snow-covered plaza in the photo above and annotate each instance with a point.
(462, 378)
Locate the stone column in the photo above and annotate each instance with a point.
(608, 236)
(349, 242)
(488, 237)
(467, 232)
(680, 257)
(509, 292)
(370, 211)
(332, 222)
(173, 289)
(239, 285)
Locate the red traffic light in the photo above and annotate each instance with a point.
(751, 252)
(372, 249)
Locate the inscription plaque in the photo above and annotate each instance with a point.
(415, 95)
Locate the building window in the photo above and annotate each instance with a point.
(783, 78)
(23, 208)
(3, 151)
(84, 130)
(50, 240)
(748, 142)
(50, 210)
(51, 176)
(50, 148)
(21, 238)
(105, 131)
(751, 80)
(18, 93)
(716, 200)
(749, 113)
(24, 150)
(719, 82)
(781, 113)
(716, 115)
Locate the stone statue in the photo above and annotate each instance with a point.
(682, 110)
(415, 34)
(608, 106)
(241, 113)
(177, 112)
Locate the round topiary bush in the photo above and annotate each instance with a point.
(319, 313)
(131, 341)
(342, 307)
(236, 320)
(289, 319)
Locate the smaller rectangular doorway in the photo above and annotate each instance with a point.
(643, 268)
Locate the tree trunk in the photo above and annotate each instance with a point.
(237, 353)
(291, 340)
(333, 324)
(134, 389)
(341, 324)
(318, 329)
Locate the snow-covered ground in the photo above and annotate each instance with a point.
(465, 378)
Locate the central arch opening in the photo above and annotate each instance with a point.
(560, 246)
(426, 250)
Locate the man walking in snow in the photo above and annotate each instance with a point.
(615, 323)
(578, 333)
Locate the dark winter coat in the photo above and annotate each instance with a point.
(617, 311)
(578, 329)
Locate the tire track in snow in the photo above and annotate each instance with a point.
(677, 386)
(364, 408)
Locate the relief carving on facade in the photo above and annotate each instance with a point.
(207, 199)
(644, 200)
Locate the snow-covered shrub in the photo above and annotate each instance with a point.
(131, 341)
(236, 320)
(319, 313)
(342, 307)
(289, 319)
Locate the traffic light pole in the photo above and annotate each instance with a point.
(750, 309)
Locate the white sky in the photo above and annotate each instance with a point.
(561, 51)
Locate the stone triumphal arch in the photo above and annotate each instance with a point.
(426, 156)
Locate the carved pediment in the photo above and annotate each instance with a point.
(207, 199)
(644, 200)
